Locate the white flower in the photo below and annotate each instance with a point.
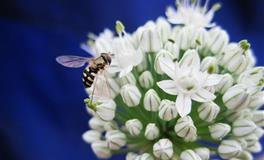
(105, 110)
(257, 100)
(128, 79)
(209, 64)
(191, 13)
(226, 82)
(152, 131)
(243, 127)
(255, 148)
(236, 58)
(219, 130)
(131, 156)
(96, 124)
(189, 155)
(150, 40)
(146, 80)
(258, 118)
(143, 65)
(185, 128)
(251, 139)
(130, 95)
(125, 56)
(164, 29)
(203, 153)
(134, 127)
(100, 148)
(252, 77)
(245, 155)
(188, 82)
(236, 98)
(161, 54)
(229, 149)
(91, 136)
(110, 125)
(145, 156)
(218, 40)
(151, 100)
(208, 111)
(115, 139)
(173, 49)
(163, 149)
(259, 132)
(191, 37)
(167, 110)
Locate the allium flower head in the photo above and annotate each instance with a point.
(175, 91)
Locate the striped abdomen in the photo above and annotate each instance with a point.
(89, 74)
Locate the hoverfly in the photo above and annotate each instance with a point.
(94, 66)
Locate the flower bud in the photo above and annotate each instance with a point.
(134, 127)
(91, 136)
(255, 148)
(218, 40)
(131, 156)
(251, 139)
(245, 155)
(145, 156)
(209, 65)
(167, 110)
(172, 48)
(143, 65)
(203, 153)
(164, 29)
(236, 98)
(208, 111)
(146, 80)
(96, 124)
(258, 118)
(243, 127)
(225, 83)
(152, 131)
(189, 155)
(219, 130)
(188, 37)
(229, 149)
(161, 54)
(101, 149)
(163, 149)
(185, 128)
(128, 79)
(110, 125)
(259, 132)
(130, 95)
(235, 58)
(151, 100)
(256, 101)
(115, 139)
(150, 40)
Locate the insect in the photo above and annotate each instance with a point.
(95, 65)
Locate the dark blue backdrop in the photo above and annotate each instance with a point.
(42, 115)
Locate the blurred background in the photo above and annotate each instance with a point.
(42, 115)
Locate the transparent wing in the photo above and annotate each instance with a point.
(72, 61)
(101, 88)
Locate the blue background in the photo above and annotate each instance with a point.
(42, 115)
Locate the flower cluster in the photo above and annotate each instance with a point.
(177, 88)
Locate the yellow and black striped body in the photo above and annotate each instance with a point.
(91, 71)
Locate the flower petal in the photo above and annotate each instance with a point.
(190, 59)
(168, 67)
(125, 71)
(203, 96)
(212, 79)
(183, 105)
(168, 86)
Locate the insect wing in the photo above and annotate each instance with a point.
(72, 61)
